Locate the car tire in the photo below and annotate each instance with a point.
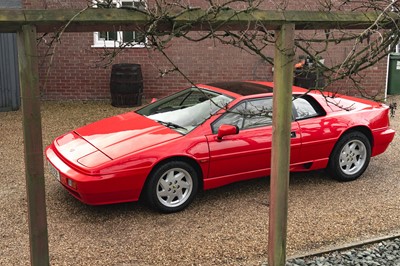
(171, 186)
(350, 157)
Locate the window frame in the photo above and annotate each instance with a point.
(215, 130)
(319, 110)
(102, 43)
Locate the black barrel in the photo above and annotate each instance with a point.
(126, 85)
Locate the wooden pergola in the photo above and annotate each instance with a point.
(28, 22)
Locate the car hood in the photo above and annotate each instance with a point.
(123, 134)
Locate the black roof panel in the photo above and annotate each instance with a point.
(241, 87)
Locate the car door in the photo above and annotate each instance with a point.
(319, 132)
(246, 154)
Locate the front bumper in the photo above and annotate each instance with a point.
(97, 189)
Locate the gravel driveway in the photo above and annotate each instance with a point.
(225, 226)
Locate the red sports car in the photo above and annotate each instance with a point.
(210, 136)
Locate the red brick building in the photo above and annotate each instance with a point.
(74, 75)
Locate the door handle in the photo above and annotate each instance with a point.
(292, 134)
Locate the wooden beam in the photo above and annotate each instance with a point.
(32, 127)
(281, 128)
(94, 19)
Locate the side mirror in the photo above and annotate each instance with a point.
(226, 130)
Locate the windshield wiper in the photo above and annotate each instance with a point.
(170, 124)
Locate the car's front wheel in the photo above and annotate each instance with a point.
(350, 157)
(172, 186)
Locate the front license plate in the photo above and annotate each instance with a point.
(54, 172)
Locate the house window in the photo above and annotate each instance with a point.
(118, 38)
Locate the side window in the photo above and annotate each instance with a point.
(258, 113)
(247, 114)
(232, 117)
(306, 107)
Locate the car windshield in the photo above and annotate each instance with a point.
(185, 110)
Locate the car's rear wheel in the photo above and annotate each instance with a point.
(172, 186)
(350, 157)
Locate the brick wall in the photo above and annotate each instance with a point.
(74, 75)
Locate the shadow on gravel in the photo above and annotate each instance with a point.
(253, 191)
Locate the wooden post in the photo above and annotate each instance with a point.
(34, 169)
(281, 127)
